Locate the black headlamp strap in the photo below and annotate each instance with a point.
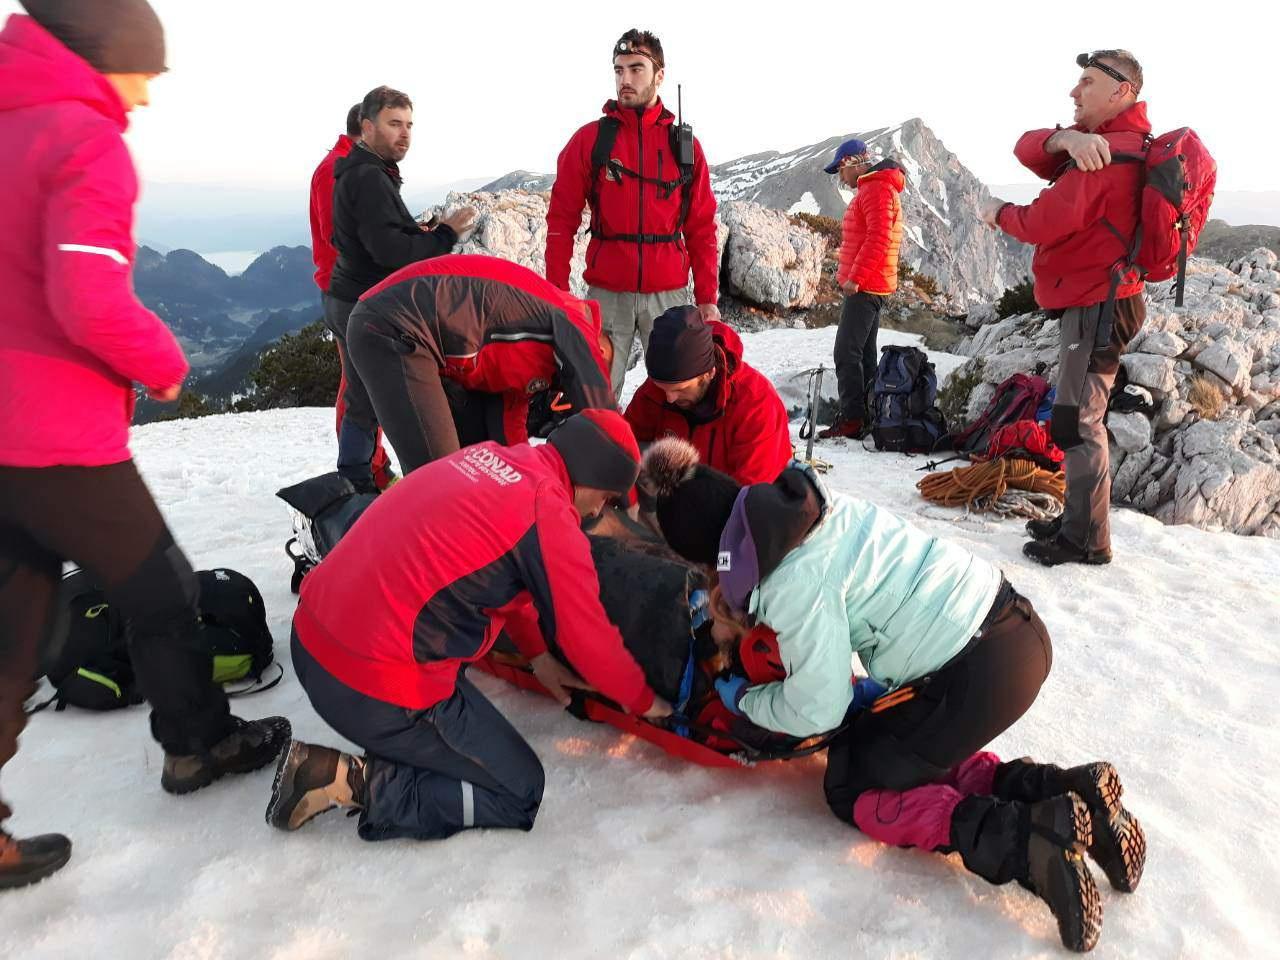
(1086, 61)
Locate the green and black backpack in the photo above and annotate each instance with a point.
(87, 658)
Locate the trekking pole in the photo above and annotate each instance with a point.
(815, 395)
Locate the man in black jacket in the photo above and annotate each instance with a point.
(375, 235)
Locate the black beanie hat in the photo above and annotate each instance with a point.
(114, 36)
(599, 450)
(694, 501)
(680, 347)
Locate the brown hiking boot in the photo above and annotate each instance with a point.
(844, 428)
(311, 780)
(249, 746)
(31, 860)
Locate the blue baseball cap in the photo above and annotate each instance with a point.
(850, 148)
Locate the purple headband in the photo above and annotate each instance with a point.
(738, 563)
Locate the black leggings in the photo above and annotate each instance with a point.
(957, 710)
(104, 520)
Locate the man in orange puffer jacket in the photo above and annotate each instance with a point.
(868, 273)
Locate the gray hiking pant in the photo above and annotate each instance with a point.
(623, 314)
(1087, 363)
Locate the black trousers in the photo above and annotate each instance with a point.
(431, 773)
(104, 520)
(856, 355)
(410, 399)
(957, 710)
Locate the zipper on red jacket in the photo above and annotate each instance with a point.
(640, 195)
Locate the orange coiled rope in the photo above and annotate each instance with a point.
(983, 486)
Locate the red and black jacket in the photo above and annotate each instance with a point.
(627, 206)
(740, 428)
(323, 252)
(496, 327)
(482, 539)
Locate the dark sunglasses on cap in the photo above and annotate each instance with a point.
(1086, 61)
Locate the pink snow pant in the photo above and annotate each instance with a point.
(922, 817)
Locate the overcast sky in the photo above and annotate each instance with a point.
(257, 91)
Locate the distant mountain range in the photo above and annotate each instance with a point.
(223, 321)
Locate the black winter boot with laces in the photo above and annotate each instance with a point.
(1119, 844)
(1042, 846)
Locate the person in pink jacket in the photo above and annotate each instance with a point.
(73, 342)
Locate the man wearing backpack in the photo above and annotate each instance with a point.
(652, 210)
(418, 590)
(868, 273)
(325, 256)
(1082, 227)
(375, 235)
(73, 342)
(700, 389)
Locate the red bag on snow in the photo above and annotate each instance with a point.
(1026, 440)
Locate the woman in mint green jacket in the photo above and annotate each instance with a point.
(959, 654)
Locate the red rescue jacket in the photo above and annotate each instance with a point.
(497, 327)
(629, 206)
(446, 558)
(872, 231)
(323, 251)
(1083, 223)
(743, 429)
(73, 336)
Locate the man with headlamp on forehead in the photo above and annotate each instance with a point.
(1083, 226)
(646, 182)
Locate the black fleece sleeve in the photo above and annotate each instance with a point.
(392, 239)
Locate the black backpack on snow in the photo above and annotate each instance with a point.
(324, 509)
(904, 403)
(87, 659)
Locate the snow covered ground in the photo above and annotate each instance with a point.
(1166, 663)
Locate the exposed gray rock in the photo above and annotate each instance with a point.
(1150, 371)
(1228, 359)
(1162, 343)
(769, 260)
(1130, 431)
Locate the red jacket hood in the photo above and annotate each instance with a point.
(886, 171)
(655, 116)
(36, 69)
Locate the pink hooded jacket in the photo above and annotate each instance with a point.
(73, 336)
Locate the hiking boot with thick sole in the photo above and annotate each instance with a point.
(847, 429)
(31, 860)
(1061, 550)
(250, 746)
(1060, 832)
(1044, 529)
(311, 780)
(1119, 844)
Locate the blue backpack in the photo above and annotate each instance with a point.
(904, 404)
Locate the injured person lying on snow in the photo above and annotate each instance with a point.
(659, 602)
